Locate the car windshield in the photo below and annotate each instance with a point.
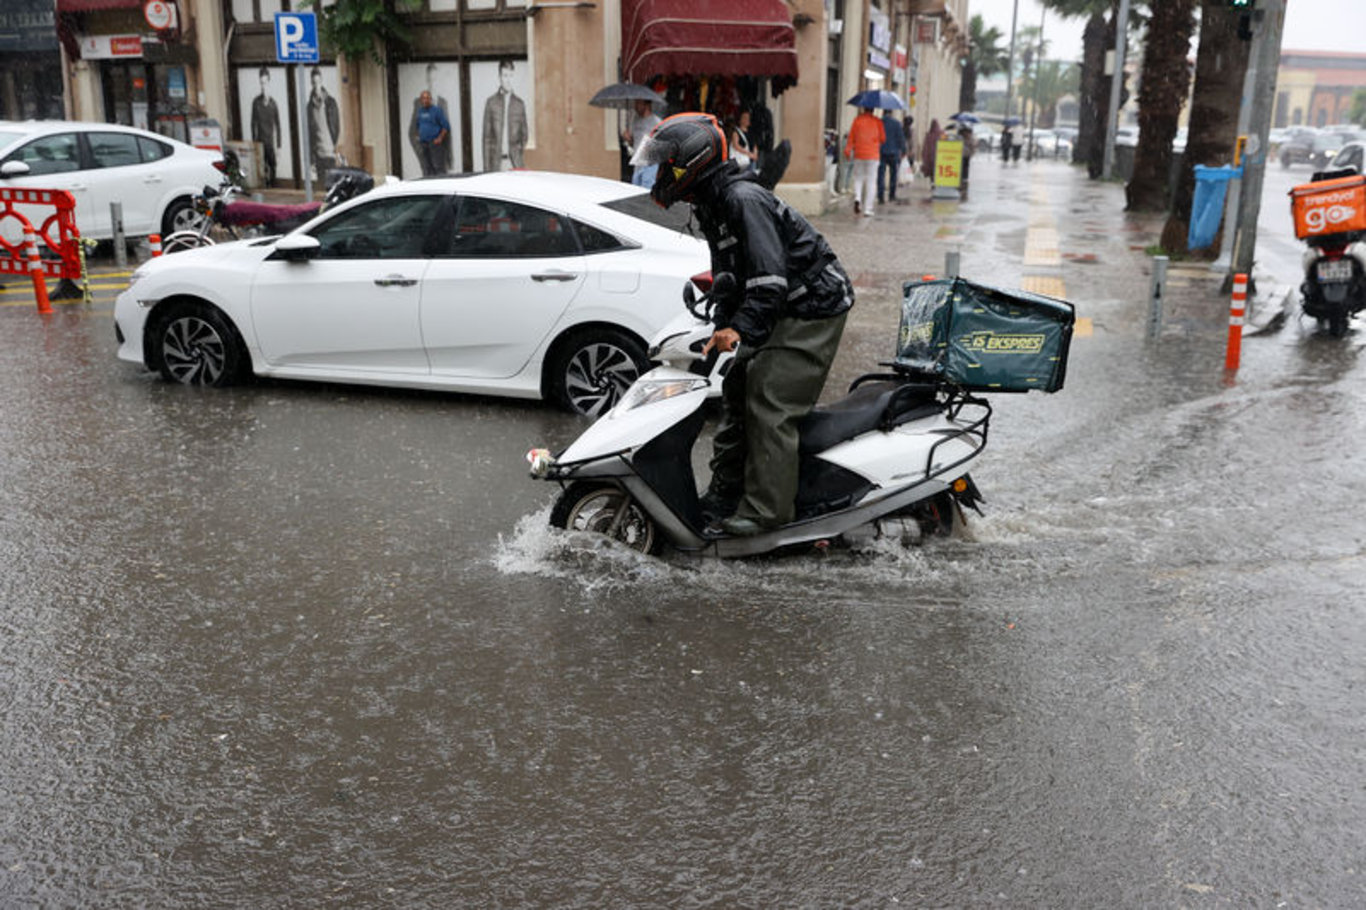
(640, 205)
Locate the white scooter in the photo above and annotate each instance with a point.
(888, 460)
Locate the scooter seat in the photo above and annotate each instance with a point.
(244, 212)
(871, 406)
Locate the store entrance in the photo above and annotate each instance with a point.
(147, 96)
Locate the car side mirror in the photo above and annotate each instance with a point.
(14, 169)
(297, 248)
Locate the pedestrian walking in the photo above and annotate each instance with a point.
(892, 151)
(928, 150)
(641, 126)
(864, 145)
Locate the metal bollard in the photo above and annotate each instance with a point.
(952, 259)
(1236, 313)
(120, 242)
(35, 270)
(1159, 287)
(154, 242)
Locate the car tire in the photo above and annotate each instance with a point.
(193, 343)
(180, 215)
(589, 370)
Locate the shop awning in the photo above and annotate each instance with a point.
(707, 37)
(91, 6)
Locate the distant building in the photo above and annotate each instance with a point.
(1315, 88)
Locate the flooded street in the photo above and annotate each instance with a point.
(300, 645)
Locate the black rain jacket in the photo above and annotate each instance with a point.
(782, 265)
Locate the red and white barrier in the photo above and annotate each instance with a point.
(154, 241)
(1236, 317)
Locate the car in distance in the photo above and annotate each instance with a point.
(1352, 155)
(522, 283)
(152, 177)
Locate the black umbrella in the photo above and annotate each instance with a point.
(624, 95)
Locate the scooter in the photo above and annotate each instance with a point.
(223, 214)
(890, 459)
(1328, 216)
(1334, 288)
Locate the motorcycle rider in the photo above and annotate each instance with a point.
(787, 315)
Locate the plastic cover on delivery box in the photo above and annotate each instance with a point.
(983, 338)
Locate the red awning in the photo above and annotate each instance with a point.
(90, 6)
(707, 37)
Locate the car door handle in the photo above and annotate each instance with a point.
(395, 281)
(554, 276)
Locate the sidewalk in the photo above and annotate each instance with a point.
(1042, 226)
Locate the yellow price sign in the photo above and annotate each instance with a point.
(948, 163)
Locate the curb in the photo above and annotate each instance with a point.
(1270, 310)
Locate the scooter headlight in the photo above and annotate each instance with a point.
(541, 462)
(643, 393)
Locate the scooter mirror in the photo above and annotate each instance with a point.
(723, 285)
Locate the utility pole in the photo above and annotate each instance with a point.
(1269, 22)
(1116, 83)
(1010, 60)
(1038, 72)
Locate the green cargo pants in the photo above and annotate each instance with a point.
(766, 394)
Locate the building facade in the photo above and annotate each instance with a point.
(1316, 88)
(514, 77)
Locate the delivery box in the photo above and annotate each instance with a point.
(983, 338)
(1329, 206)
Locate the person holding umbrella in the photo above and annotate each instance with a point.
(864, 145)
(641, 126)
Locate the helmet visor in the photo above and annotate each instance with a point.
(651, 151)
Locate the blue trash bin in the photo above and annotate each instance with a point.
(1207, 205)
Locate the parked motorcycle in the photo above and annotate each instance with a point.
(890, 459)
(1330, 216)
(224, 217)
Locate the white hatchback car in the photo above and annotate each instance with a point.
(152, 177)
(524, 283)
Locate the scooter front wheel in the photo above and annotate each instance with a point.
(605, 509)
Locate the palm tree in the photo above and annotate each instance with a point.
(1161, 95)
(1050, 80)
(1219, 68)
(986, 58)
(1098, 38)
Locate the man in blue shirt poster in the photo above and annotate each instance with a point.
(433, 129)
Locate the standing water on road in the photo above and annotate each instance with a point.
(289, 645)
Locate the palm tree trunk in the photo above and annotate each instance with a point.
(1166, 80)
(1219, 69)
(1095, 95)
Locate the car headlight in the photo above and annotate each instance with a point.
(139, 273)
(643, 393)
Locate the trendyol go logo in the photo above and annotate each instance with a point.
(1329, 210)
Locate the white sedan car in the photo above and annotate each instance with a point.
(153, 178)
(523, 283)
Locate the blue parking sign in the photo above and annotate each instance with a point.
(296, 37)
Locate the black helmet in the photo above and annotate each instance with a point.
(687, 148)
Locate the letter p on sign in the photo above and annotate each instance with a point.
(296, 37)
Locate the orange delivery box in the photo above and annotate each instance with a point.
(1329, 206)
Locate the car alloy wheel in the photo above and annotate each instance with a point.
(197, 346)
(593, 370)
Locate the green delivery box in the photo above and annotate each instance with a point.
(983, 338)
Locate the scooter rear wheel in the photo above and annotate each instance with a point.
(595, 508)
